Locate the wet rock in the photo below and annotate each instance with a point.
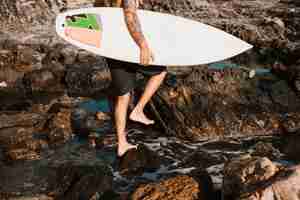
(44, 80)
(35, 197)
(263, 180)
(23, 135)
(18, 134)
(69, 172)
(291, 146)
(22, 154)
(27, 13)
(11, 137)
(82, 181)
(242, 173)
(78, 120)
(87, 81)
(263, 149)
(11, 119)
(21, 143)
(224, 145)
(59, 128)
(202, 160)
(17, 59)
(137, 161)
(176, 187)
(85, 122)
(291, 122)
(67, 55)
(198, 107)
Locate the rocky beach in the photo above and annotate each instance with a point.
(219, 133)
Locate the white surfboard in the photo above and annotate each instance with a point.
(175, 41)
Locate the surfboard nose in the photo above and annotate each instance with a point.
(60, 23)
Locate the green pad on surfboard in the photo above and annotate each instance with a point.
(89, 21)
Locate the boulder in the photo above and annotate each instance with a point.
(257, 178)
(178, 187)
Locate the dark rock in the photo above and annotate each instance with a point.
(291, 146)
(12, 119)
(21, 143)
(263, 149)
(28, 13)
(137, 161)
(198, 107)
(202, 160)
(241, 174)
(78, 121)
(45, 80)
(223, 145)
(87, 81)
(24, 181)
(59, 127)
(291, 123)
(18, 134)
(82, 181)
(260, 179)
(70, 172)
(85, 122)
(22, 154)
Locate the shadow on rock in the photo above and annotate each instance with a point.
(136, 161)
(76, 182)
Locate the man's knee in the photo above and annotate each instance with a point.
(123, 96)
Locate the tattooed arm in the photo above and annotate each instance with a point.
(134, 28)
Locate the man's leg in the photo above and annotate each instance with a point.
(121, 107)
(123, 81)
(153, 84)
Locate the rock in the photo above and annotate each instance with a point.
(242, 173)
(26, 13)
(137, 161)
(291, 146)
(21, 143)
(180, 187)
(263, 149)
(261, 181)
(19, 132)
(85, 122)
(82, 182)
(291, 122)
(69, 55)
(60, 174)
(78, 120)
(22, 154)
(11, 119)
(197, 107)
(44, 80)
(87, 81)
(18, 59)
(59, 127)
(202, 160)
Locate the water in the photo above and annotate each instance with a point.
(93, 106)
(224, 65)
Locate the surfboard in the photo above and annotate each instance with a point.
(174, 41)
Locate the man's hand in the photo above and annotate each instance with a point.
(135, 30)
(146, 56)
(139, 2)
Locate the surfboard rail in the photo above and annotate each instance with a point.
(175, 41)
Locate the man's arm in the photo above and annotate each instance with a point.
(135, 30)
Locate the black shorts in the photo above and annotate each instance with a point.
(123, 75)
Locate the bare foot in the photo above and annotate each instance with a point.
(122, 149)
(139, 116)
